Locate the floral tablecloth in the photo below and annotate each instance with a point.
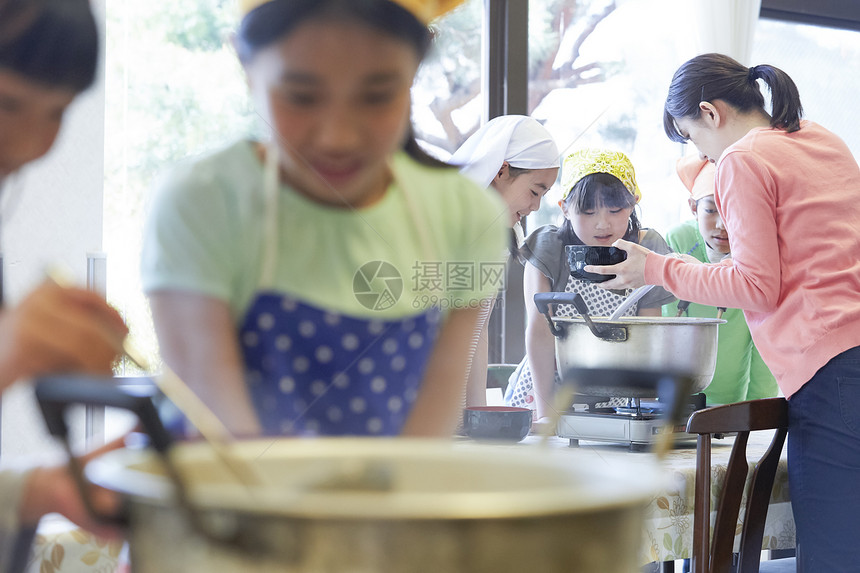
(668, 532)
(669, 515)
(62, 547)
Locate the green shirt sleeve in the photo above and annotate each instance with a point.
(189, 241)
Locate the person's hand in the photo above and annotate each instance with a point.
(630, 273)
(57, 329)
(53, 490)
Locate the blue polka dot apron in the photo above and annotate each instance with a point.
(311, 371)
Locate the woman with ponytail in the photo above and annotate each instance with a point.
(788, 191)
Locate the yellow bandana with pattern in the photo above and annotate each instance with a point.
(424, 10)
(587, 161)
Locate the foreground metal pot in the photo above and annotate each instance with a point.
(443, 508)
(367, 505)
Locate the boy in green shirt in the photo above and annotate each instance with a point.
(740, 373)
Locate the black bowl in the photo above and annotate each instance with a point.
(578, 256)
(503, 423)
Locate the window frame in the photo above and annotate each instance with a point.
(829, 13)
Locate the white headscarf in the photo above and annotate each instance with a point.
(518, 139)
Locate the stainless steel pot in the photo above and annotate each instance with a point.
(677, 346)
(595, 353)
(364, 505)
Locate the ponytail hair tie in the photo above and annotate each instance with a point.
(752, 75)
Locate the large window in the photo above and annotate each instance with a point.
(597, 75)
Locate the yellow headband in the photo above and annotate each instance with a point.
(587, 161)
(424, 10)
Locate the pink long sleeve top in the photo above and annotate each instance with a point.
(791, 205)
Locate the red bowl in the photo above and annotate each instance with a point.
(497, 423)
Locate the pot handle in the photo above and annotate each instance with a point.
(56, 394)
(544, 299)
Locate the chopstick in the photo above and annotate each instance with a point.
(664, 442)
(200, 416)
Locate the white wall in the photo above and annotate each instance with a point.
(52, 214)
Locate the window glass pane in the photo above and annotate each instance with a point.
(173, 89)
(821, 61)
(446, 96)
(598, 74)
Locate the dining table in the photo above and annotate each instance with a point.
(667, 532)
(667, 529)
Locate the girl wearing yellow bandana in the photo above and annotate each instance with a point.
(326, 282)
(600, 196)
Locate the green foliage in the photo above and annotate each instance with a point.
(456, 53)
(174, 87)
(200, 25)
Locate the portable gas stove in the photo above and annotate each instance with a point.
(637, 423)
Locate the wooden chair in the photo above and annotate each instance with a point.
(715, 555)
